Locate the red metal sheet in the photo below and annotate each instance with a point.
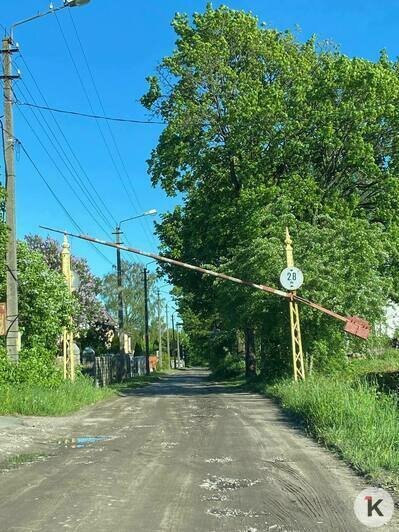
(357, 327)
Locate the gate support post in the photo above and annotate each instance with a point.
(68, 340)
(296, 338)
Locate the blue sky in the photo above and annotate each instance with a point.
(124, 41)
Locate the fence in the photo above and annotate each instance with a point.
(117, 368)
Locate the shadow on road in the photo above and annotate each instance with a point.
(187, 383)
(194, 382)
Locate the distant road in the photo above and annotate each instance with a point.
(185, 455)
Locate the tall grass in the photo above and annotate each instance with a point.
(361, 423)
(64, 398)
(34, 400)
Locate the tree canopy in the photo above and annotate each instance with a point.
(133, 299)
(262, 132)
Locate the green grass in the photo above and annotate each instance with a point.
(21, 459)
(34, 400)
(346, 413)
(355, 419)
(388, 362)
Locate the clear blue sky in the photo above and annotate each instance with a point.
(124, 41)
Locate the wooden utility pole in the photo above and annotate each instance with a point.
(178, 345)
(173, 341)
(117, 234)
(13, 337)
(159, 331)
(167, 335)
(146, 333)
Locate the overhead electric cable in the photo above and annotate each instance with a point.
(92, 109)
(88, 115)
(60, 171)
(99, 200)
(100, 101)
(59, 149)
(59, 202)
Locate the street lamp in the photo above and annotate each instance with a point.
(118, 234)
(8, 48)
(52, 10)
(75, 3)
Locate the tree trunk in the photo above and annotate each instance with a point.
(250, 358)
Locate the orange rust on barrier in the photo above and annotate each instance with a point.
(353, 325)
(358, 327)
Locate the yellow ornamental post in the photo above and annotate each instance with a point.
(291, 279)
(68, 343)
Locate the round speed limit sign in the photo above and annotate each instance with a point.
(291, 278)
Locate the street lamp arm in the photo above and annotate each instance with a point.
(39, 15)
(128, 219)
(52, 10)
(147, 213)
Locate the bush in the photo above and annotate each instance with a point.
(231, 365)
(36, 366)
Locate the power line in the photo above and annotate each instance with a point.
(68, 214)
(58, 147)
(68, 144)
(100, 101)
(92, 110)
(88, 115)
(85, 207)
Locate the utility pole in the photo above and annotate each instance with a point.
(147, 337)
(178, 345)
(173, 338)
(159, 331)
(13, 338)
(167, 335)
(117, 234)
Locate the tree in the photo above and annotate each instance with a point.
(133, 300)
(90, 311)
(45, 304)
(44, 301)
(263, 131)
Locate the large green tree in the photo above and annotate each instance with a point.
(264, 131)
(133, 299)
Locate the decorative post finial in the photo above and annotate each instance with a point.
(66, 244)
(288, 249)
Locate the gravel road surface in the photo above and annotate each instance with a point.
(186, 455)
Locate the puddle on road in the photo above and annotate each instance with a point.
(82, 441)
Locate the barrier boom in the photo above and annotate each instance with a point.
(353, 324)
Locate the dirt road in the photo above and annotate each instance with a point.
(183, 455)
